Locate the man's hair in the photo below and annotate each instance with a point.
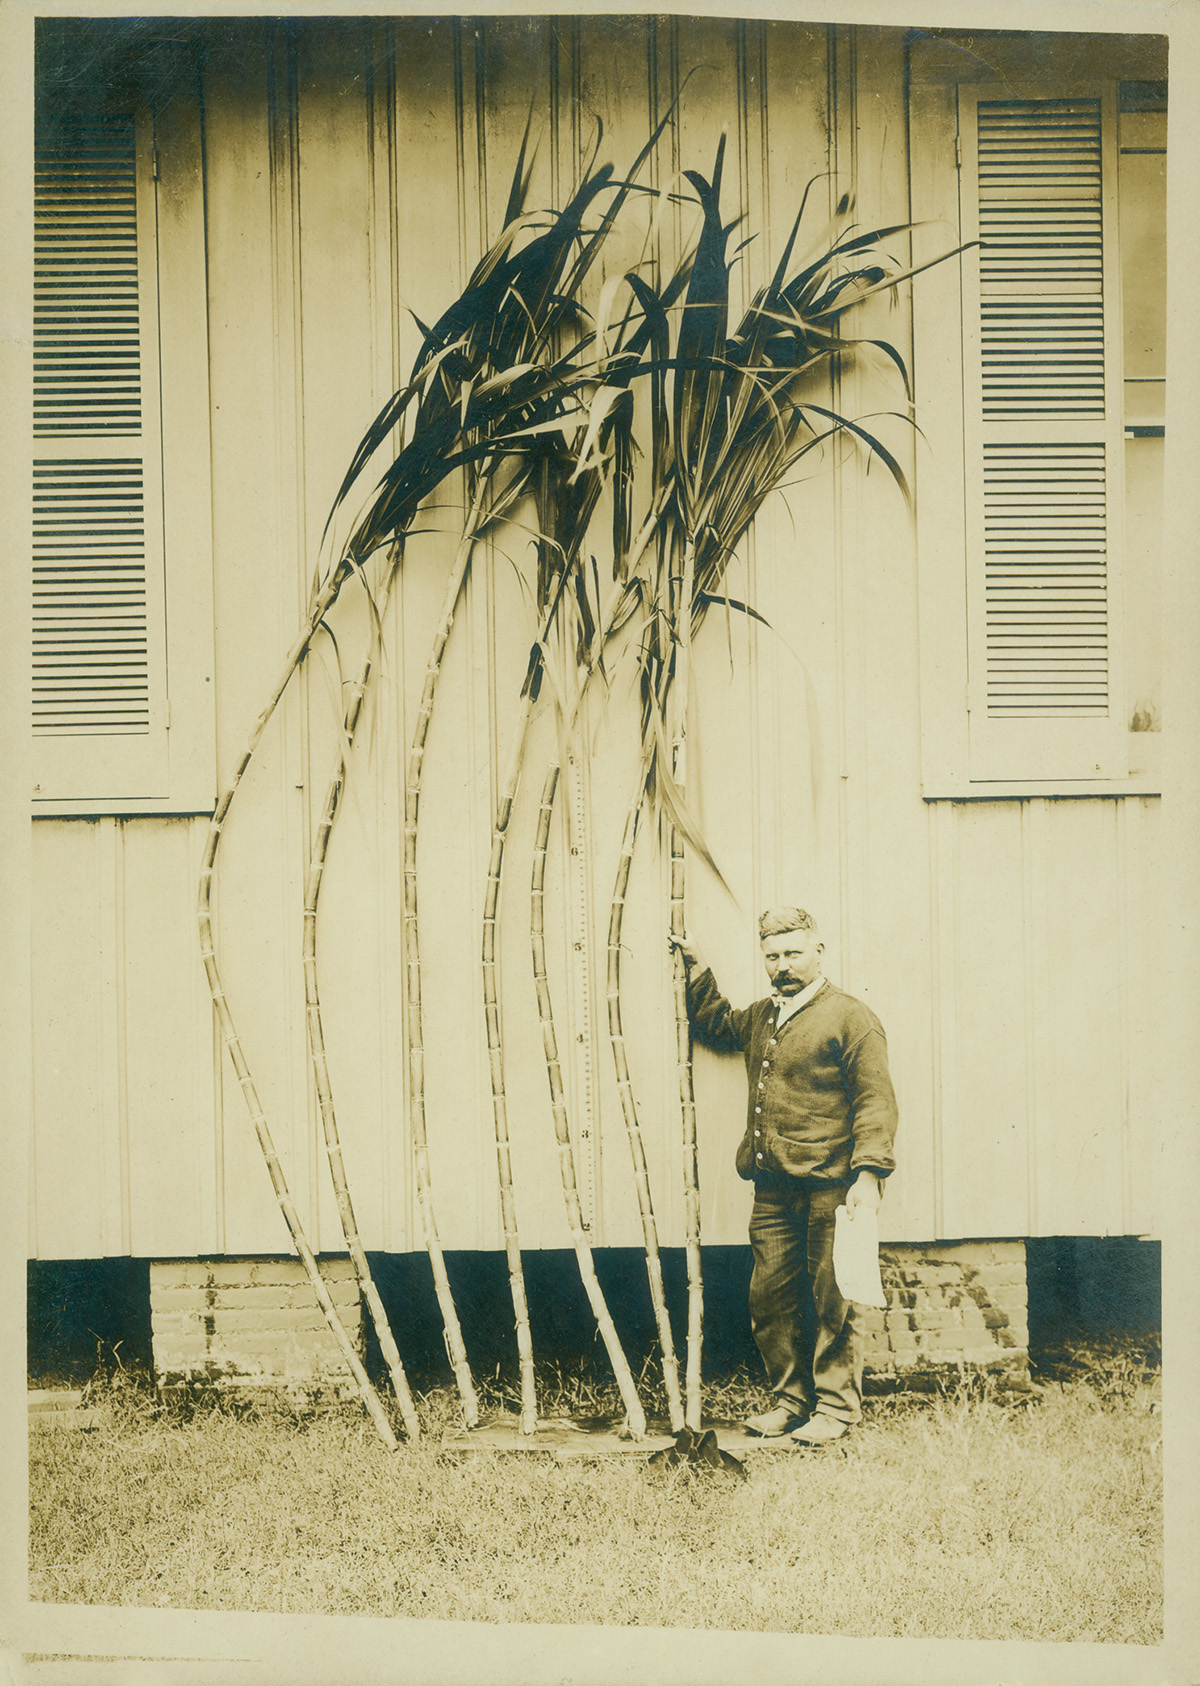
(776, 920)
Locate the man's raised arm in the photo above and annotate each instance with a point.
(711, 1015)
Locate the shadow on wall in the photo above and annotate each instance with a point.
(1082, 1285)
(85, 1314)
(89, 1314)
(561, 1321)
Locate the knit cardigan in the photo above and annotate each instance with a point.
(821, 1104)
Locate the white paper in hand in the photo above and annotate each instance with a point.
(856, 1256)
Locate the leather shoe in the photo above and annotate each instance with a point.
(819, 1430)
(782, 1420)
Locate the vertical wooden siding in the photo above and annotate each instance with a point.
(352, 173)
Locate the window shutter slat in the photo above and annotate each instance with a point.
(90, 647)
(1040, 228)
(1045, 565)
(1041, 463)
(86, 324)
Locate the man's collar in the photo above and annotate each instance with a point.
(786, 1005)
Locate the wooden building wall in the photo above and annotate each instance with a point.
(1008, 945)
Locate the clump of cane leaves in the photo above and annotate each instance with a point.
(576, 458)
(572, 606)
(488, 376)
(735, 408)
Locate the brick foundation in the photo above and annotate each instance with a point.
(950, 1304)
(251, 1323)
(255, 1323)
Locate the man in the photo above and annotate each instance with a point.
(819, 1132)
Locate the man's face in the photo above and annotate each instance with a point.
(793, 960)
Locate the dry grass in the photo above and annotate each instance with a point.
(955, 1516)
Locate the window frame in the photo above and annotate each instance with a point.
(949, 461)
(179, 776)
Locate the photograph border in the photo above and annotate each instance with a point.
(108, 1644)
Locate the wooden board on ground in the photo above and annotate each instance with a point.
(562, 1438)
(60, 1408)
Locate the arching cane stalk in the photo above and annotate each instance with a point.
(416, 1046)
(491, 1009)
(683, 1033)
(316, 1041)
(491, 1004)
(530, 690)
(591, 660)
(278, 1181)
(320, 1063)
(565, 509)
(633, 1130)
(580, 506)
(566, 1154)
(321, 603)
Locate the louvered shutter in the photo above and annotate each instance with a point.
(99, 658)
(1043, 436)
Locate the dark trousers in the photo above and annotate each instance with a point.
(806, 1332)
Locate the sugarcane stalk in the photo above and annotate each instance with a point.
(319, 1058)
(320, 605)
(455, 1349)
(634, 1411)
(491, 997)
(683, 1035)
(291, 1216)
(491, 1008)
(691, 1178)
(322, 602)
(629, 1109)
(491, 1005)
